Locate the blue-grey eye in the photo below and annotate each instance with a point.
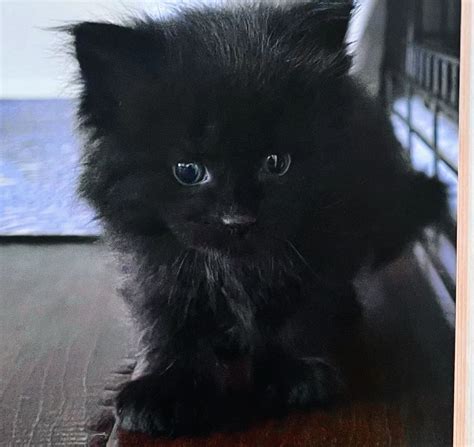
(191, 173)
(277, 164)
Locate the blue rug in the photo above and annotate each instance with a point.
(39, 167)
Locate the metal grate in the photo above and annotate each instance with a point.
(437, 74)
(435, 77)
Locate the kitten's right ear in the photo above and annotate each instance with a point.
(112, 55)
(104, 49)
(113, 59)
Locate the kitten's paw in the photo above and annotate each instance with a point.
(319, 384)
(153, 406)
(308, 383)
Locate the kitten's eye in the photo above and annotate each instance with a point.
(277, 164)
(190, 173)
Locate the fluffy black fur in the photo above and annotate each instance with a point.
(217, 304)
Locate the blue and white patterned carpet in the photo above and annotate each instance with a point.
(39, 164)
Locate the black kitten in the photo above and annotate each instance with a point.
(246, 178)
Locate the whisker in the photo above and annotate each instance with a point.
(302, 259)
(183, 256)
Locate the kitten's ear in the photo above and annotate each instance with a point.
(114, 60)
(321, 22)
(105, 49)
(316, 28)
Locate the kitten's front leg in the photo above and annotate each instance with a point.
(174, 401)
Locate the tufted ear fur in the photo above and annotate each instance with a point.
(112, 60)
(322, 22)
(103, 48)
(316, 28)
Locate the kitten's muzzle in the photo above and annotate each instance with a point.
(238, 223)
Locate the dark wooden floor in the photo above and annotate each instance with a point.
(61, 333)
(64, 340)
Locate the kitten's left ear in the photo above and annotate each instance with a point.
(321, 22)
(318, 27)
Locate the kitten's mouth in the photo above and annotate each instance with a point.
(235, 240)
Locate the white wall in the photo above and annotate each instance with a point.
(33, 59)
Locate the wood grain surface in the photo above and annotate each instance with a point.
(61, 334)
(64, 343)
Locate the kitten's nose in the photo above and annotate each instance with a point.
(238, 219)
(239, 223)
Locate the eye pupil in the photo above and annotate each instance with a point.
(277, 164)
(272, 162)
(189, 173)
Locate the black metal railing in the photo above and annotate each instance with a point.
(437, 74)
(434, 77)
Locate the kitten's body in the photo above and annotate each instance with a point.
(219, 271)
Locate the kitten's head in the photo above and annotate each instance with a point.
(233, 128)
(204, 124)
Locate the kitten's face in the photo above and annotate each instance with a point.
(227, 172)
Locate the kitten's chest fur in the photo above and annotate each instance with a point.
(229, 302)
